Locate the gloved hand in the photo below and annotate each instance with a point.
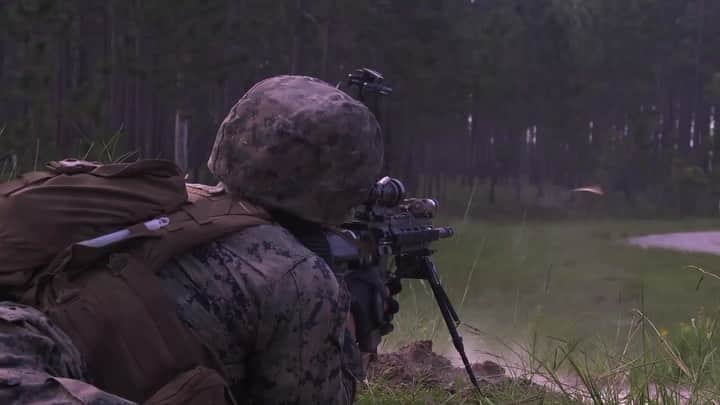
(372, 307)
(392, 288)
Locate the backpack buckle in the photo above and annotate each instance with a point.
(72, 166)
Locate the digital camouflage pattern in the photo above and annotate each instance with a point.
(298, 144)
(275, 314)
(39, 363)
(271, 309)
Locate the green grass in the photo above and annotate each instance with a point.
(387, 394)
(569, 301)
(568, 279)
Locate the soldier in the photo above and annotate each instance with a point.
(271, 312)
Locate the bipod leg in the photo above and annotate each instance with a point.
(449, 315)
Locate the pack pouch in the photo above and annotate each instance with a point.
(42, 213)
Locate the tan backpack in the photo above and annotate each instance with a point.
(82, 241)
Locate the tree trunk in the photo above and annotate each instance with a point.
(684, 122)
(539, 165)
(328, 42)
(5, 114)
(60, 83)
(116, 88)
(131, 81)
(493, 183)
(159, 128)
(669, 137)
(231, 85)
(479, 133)
(714, 137)
(150, 119)
(182, 122)
(297, 47)
(2, 58)
(493, 168)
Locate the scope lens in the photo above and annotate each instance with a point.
(387, 192)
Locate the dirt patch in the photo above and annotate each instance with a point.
(416, 364)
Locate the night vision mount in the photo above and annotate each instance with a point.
(368, 81)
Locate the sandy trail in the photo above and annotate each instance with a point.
(700, 242)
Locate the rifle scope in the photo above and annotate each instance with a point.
(387, 192)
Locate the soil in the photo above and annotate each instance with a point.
(416, 364)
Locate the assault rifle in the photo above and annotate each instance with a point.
(389, 227)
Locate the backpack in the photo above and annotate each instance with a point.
(82, 242)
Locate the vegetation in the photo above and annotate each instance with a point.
(623, 93)
(655, 366)
(568, 305)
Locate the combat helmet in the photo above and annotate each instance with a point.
(301, 146)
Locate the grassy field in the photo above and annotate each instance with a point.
(571, 280)
(531, 290)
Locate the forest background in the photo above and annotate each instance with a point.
(517, 101)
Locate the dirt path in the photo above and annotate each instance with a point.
(701, 242)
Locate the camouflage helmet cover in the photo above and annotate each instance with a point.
(300, 145)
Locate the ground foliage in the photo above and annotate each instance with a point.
(616, 92)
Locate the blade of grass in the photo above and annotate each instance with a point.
(472, 271)
(87, 152)
(703, 271)
(587, 381)
(466, 214)
(669, 348)
(37, 154)
(126, 156)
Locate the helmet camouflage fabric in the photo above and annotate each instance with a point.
(300, 145)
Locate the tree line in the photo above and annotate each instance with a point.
(622, 93)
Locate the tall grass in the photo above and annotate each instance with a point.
(650, 366)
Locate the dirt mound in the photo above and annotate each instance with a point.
(417, 364)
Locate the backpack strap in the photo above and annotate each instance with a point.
(23, 181)
(211, 203)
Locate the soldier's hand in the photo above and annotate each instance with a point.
(392, 288)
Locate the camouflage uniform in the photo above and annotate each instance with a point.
(275, 313)
(272, 311)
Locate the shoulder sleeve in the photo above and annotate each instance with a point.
(283, 306)
(301, 339)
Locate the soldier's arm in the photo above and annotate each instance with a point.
(39, 363)
(305, 352)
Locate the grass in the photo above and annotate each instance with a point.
(567, 303)
(383, 393)
(569, 279)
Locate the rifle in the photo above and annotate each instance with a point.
(389, 227)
